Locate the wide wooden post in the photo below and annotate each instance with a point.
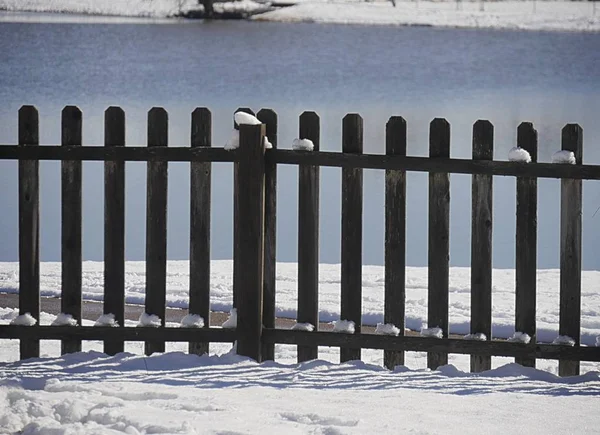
(571, 192)
(439, 238)
(269, 118)
(395, 237)
(29, 227)
(308, 235)
(352, 209)
(200, 189)
(156, 225)
(71, 224)
(114, 226)
(526, 243)
(251, 191)
(481, 242)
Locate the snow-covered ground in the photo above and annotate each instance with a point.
(579, 16)
(503, 297)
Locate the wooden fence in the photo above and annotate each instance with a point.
(255, 186)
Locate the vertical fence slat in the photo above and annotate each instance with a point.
(200, 195)
(114, 226)
(156, 225)
(71, 224)
(526, 243)
(481, 242)
(308, 235)
(352, 209)
(269, 118)
(29, 227)
(439, 238)
(395, 237)
(237, 279)
(251, 187)
(570, 249)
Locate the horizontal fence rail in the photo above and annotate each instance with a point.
(254, 229)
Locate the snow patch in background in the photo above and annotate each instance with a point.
(231, 322)
(479, 336)
(303, 145)
(64, 320)
(387, 329)
(149, 321)
(192, 321)
(432, 332)
(518, 154)
(564, 340)
(24, 320)
(304, 327)
(564, 156)
(343, 326)
(520, 337)
(107, 320)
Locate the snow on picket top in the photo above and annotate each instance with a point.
(107, 320)
(24, 320)
(564, 156)
(149, 321)
(518, 154)
(243, 118)
(303, 145)
(343, 326)
(64, 320)
(303, 327)
(478, 336)
(387, 329)
(520, 337)
(192, 321)
(432, 332)
(564, 340)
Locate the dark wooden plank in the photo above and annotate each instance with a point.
(71, 174)
(308, 235)
(526, 242)
(425, 344)
(29, 227)
(200, 197)
(213, 335)
(352, 209)
(481, 242)
(269, 118)
(251, 186)
(114, 226)
(156, 225)
(237, 279)
(439, 238)
(570, 249)
(395, 237)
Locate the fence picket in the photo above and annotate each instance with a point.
(308, 235)
(526, 243)
(200, 196)
(29, 227)
(395, 237)
(352, 213)
(114, 226)
(571, 192)
(156, 225)
(481, 242)
(439, 238)
(71, 224)
(269, 118)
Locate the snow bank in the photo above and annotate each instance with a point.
(24, 320)
(231, 322)
(107, 320)
(564, 156)
(64, 320)
(343, 326)
(432, 332)
(386, 329)
(518, 154)
(149, 321)
(303, 145)
(304, 327)
(192, 321)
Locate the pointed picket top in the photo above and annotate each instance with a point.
(483, 140)
(29, 133)
(201, 134)
(269, 117)
(439, 138)
(242, 109)
(310, 128)
(114, 126)
(71, 122)
(572, 140)
(395, 131)
(158, 127)
(527, 138)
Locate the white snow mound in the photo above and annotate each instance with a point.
(564, 340)
(387, 329)
(107, 320)
(149, 321)
(432, 332)
(520, 337)
(564, 156)
(518, 154)
(303, 327)
(231, 322)
(343, 326)
(192, 321)
(243, 118)
(478, 336)
(24, 320)
(64, 320)
(303, 145)
(234, 141)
